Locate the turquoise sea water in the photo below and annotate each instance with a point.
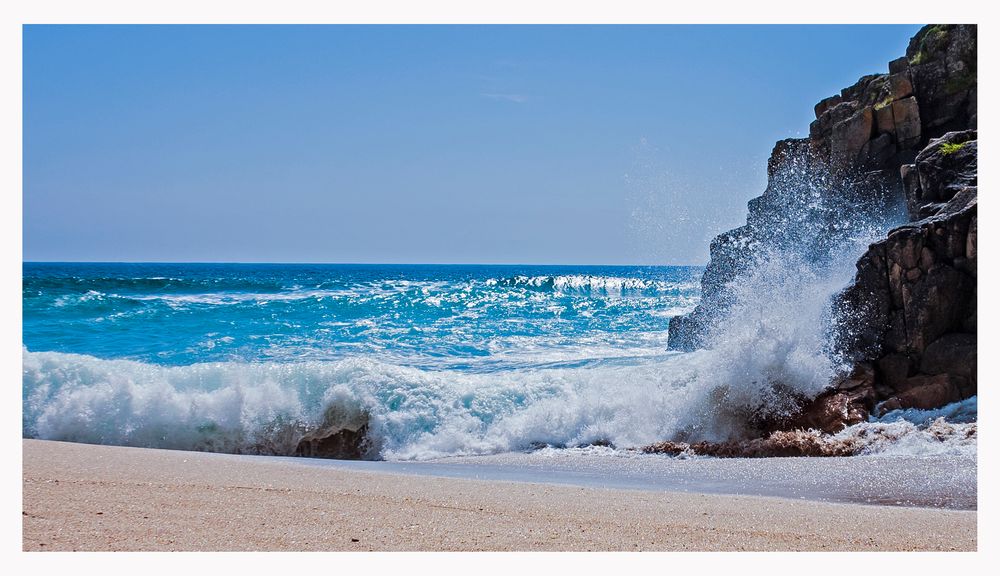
(439, 317)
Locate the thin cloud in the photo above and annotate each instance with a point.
(515, 98)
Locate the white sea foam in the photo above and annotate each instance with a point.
(89, 296)
(902, 438)
(265, 407)
(590, 283)
(228, 298)
(239, 407)
(950, 430)
(431, 293)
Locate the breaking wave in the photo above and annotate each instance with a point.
(588, 283)
(266, 408)
(413, 413)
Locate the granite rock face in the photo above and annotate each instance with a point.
(945, 167)
(911, 311)
(908, 321)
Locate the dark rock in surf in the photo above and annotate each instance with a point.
(850, 401)
(785, 443)
(344, 444)
(925, 392)
(342, 436)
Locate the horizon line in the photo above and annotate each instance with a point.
(345, 263)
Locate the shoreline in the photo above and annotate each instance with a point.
(940, 481)
(90, 497)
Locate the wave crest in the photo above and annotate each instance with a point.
(269, 407)
(591, 284)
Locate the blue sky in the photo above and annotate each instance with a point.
(435, 144)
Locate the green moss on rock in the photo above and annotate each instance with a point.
(932, 38)
(950, 147)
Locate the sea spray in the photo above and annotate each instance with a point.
(765, 327)
(807, 214)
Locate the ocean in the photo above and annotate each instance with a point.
(442, 360)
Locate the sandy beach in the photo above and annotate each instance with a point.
(85, 497)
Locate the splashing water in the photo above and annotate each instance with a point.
(770, 336)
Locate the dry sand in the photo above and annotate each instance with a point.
(83, 497)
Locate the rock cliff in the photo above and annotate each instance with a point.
(907, 323)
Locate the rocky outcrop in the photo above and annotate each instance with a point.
(908, 322)
(343, 436)
(911, 312)
(943, 169)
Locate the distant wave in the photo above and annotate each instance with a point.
(143, 284)
(181, 293)
(587, 283)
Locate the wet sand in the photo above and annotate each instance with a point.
(939, 481)
(84, 497)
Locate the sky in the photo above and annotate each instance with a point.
(414, 144)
